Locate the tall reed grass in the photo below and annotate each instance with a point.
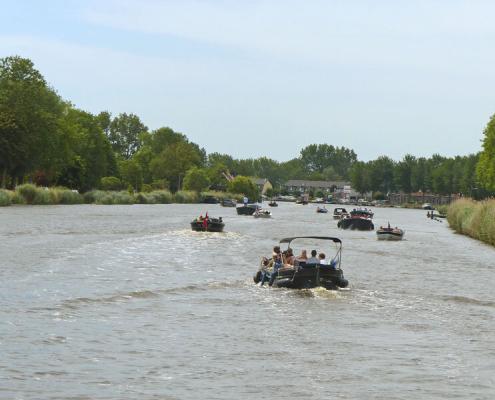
(473, 218)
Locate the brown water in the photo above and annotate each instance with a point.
(125, 302)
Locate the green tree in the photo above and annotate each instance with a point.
(131, 173)
(196, 179)
(485, 169)
(31, 134)
(124, 134)
(244, 185)
(360, 178)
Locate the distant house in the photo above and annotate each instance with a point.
(263, 184)
(301, 185)
(422, 197)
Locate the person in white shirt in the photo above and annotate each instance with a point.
(313, 259)
(322, 258)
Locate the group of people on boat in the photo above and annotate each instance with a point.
(287, 260)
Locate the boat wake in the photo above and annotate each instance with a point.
(468, 300)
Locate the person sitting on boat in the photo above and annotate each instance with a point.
(322, 258)
(313, 259)
(274, 265)
(301, 258)
(289, 258)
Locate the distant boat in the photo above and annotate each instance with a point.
(427, 206)
(321, 210)
(360, 219)
(273, 203)
(339, 213)
(228, 203)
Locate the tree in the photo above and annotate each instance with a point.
(31, 134)
(196, 179)
(173, 162)
(131, 173)
(485, 169)
(124, 134)
(360, 177)
(317, 157)
(244, 185)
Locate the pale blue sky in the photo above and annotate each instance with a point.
(253, 78)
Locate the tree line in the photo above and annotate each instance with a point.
(47, 140)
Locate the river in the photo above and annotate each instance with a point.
(126, 302)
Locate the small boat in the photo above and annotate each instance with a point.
(339, 213)
(261, 213)
(427, 206)
(389, 233)
(322, 210)
(207, 224)
(304, 275)
(360, 219)
(247, 209)
(210, 200)
(228, 203)
(273, 203)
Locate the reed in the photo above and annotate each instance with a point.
(27, 191)
(186, 196)
(473, 218)
(5, 198)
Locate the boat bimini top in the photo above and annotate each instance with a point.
(336, 260)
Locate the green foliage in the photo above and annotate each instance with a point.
(196, 179)
(110, 183)
(124, 134)
(485, 169)
(145, 188)
(5, 198)
(132, 174)
(318, 157)
(244, 185)
(475, 219)
(186, 196)
(27, 191)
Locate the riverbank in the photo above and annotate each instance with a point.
(473, 218)
(33, 195)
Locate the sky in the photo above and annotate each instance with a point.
(259, 78)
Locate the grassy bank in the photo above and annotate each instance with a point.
(31, 194)
(473, 218)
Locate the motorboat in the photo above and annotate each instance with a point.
(273, 203)
(207, 224)
(247, 209)
(360, 219)
(210, 200)
(228, 203)
(262, 213)
(427, 206)
(339, 213)
(389, 233)
(303, 275)
(322, 210)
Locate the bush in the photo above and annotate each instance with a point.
(146, 188)
(5, 198)
(44, 197)
(70, 197)
(185, 196)
(94, 196)
(160, 184)
(27, 191)
(159, 197)
(110, 183)
(473, 218)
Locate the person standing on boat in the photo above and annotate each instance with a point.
(245, 200)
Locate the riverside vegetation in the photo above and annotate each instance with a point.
(31, 194)
(473, 218)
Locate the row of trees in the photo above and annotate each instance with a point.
(437, 174)
(45, 139)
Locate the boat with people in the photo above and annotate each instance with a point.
(273, 203)
(207, 224)
(339, 212)
(228, 203)
(284, 270)
(322, 210)
(359, 218)
(389, 233)
(262, 213)
(247, 209)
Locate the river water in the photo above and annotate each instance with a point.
(125, 302)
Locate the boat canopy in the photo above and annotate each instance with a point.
(290, 239)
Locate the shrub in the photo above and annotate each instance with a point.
(43, 197)
(146, 188)
(27, 191)
(94, 196)
(475, 219)
(5, 198)
(110, 183)
(185, 196)
(159, 197)
(70, 197)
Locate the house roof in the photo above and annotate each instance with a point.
(320, 184)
